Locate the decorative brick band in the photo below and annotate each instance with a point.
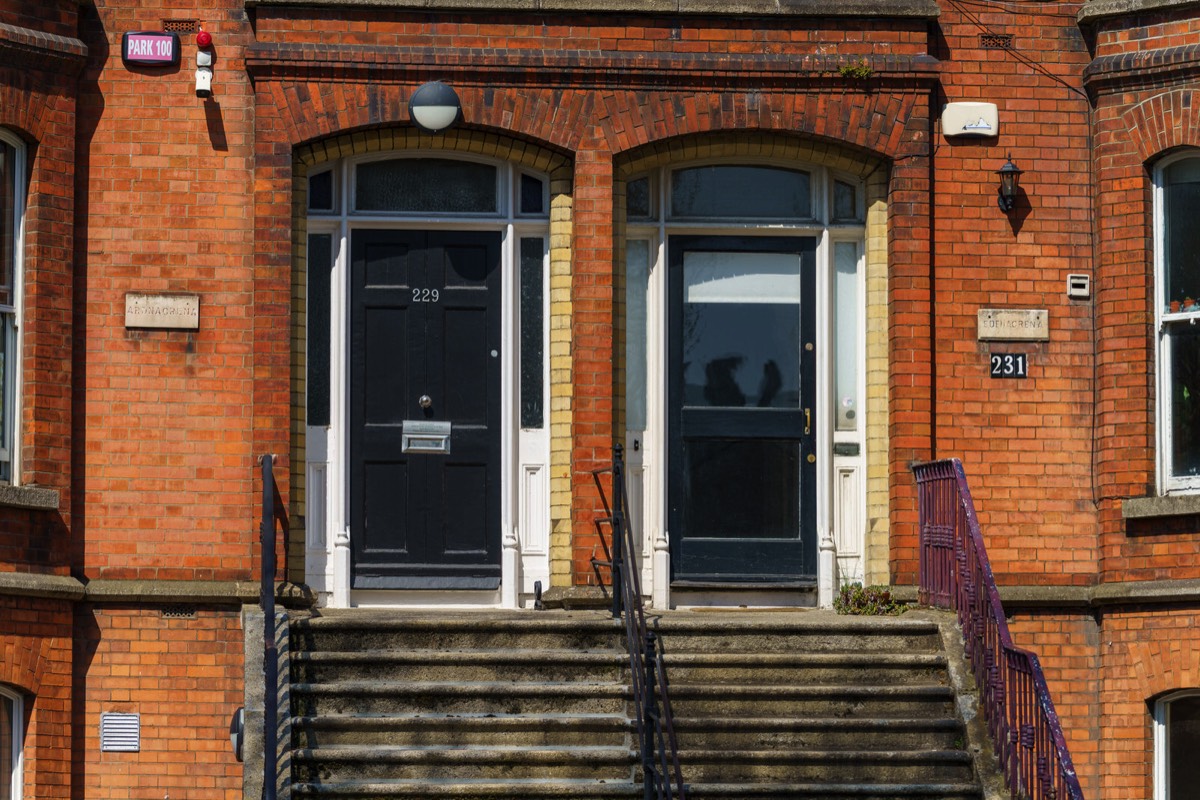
(27, 48)
(1120, 72)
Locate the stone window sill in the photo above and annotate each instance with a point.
(35, 497)
(1170, 506)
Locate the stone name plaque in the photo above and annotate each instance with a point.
(1013, 324)
(167, 311)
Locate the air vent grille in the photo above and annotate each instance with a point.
(120, 732)
(179, 25)
(996, 41)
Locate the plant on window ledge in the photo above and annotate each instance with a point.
(870, 601)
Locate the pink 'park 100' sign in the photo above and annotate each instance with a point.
(150, 49)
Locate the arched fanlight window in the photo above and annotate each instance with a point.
(1176, 742)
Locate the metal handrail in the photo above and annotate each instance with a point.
(662, 777)
(955, 573)
(274, 517)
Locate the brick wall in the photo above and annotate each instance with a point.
(183, 676)
(166, 417)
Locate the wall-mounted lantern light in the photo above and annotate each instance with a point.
(1010, 175)
(434, 107)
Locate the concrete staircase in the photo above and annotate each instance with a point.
(526, 705)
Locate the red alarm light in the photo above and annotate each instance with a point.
(203, 38)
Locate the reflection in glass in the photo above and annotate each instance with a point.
(427, 185)
(637, 276)
(741, 330)
(845, 262)
(1185, 400)
(1181, 259)
(320, 265)
(532, 328)
(320, 191)
(742, 488)
(533, 200)
(8, 190)
(1184, 740)
(845, 202)
(7, 725)
(742, 192)
(637, 198)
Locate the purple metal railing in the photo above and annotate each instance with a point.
(955, 573)
(274, 526)
(662, 777)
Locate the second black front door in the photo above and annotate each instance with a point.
(741, 424)
(424, 400)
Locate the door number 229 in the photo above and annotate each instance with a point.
(1010, 365)
(425, 295)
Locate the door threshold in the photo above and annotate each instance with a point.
(742, 586)
(755, 594)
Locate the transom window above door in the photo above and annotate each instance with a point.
(744, 193)
(429, 186)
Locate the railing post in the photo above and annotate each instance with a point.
(270, 656)
(618, 529)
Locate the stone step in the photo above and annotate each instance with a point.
(794, 633)
(376, 762)
(455, 730)
(382, 697)
(836, 791)
(424, 789)
(358, 629)
(821, 733)
(460, 665)
(810, 668)
(850, 766)
(919, 700)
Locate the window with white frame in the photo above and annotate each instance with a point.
(12, 209)
(1177, 267)
(11, 727)
(1176, 741)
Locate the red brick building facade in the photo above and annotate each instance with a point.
(631, 189)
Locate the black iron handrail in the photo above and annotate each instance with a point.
(955, 573)
(662, 778)
(274, 518)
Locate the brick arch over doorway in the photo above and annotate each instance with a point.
(461, 141)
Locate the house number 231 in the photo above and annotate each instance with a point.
(425, 295)
(1010, 365)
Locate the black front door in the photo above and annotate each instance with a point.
(424, 400)
(741, 425)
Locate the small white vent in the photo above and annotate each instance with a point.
(120, 733)
(1079, 287)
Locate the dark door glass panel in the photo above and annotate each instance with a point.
(532, 332)
(320, 266)
(320, 191)
(1184, 737)
(1182, 234)
(741, 354)
(742, 488)
(533, 195)
(742, 192)
(637, 198)
(1185, 400)
(426, 185)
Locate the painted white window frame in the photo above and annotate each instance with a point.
(525, 452)
(1164, 322)
(1162, 732)
(11, 317)
(17, 756)
(650, 458)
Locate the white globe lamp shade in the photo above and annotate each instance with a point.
(434, 107)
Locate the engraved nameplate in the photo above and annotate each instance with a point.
(168, 311)
(1013, 323)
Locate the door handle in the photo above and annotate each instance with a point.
(425, 401)
(807, 421)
